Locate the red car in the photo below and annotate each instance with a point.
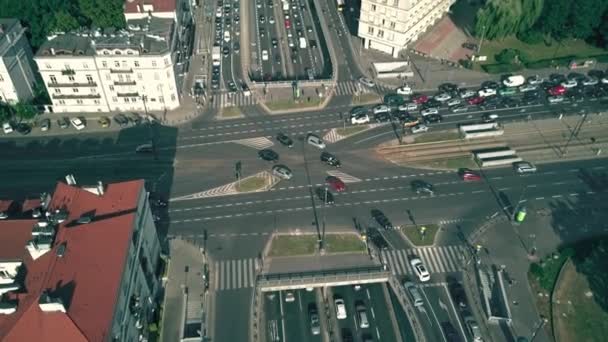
(420, 99)
(287, 24)
(475, 100)
(557, 90)
(469, 175)
(335, 183)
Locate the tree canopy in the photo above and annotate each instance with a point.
(501, 18)
(42, 17)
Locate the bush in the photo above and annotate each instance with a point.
(501, 68)
(507, 56)
(531, 37)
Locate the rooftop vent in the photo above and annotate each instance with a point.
(70, 180)
(84, 219)
(58, 216)
(50, 304)
(39, 245)
(61, 249)
(7, 308)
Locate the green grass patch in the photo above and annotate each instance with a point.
(291, 104)
(347, 131)
(231, 112)
(250, 184)
(546, 270)
(436, 136)
(415, 235)
(342, 243)
(365, 98)
(289, 245)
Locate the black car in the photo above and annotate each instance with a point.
(509, 102)
(330, 159)
(447, 88)
(458, 294)
(232, 87)
(63, 122)
(376, 238)
(268, 155)
(450, 333)
(433, 118)
(23, 128)
(121, 119)
(382, 220)
(285, 140)
(489, 85)
(135, 118)
(431, 103)
(599, 74)
(324, 195)
(236, 47)
(557, 78)
(421, 187)
(274, 42)
(382, 117)
(347, 335)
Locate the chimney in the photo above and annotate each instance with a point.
(48, 304)
(100, 189)
(70, 178)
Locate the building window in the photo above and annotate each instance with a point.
(118, 52)
(370, 30)
(104, 64)
(93, 90)
(53, 79)
(90, 79)
(139, 75)
(373, 8)
(71, 78)
(161, 99)
(117, 64)
(154, 63)
(136, 63)
(126, 99)
(134, 99)
(61, 102)
(85, 66)
(108, 77)
(75, 90)
(96, 101)
(392, 25)
(156, 76)
(172, 97)
(128, 77)
(47, 65)
(166, 61)
(121, 78)
(380, 33)
(111, 88)
(114, 99)
(57, 91)
(395, 2)
(79, 101)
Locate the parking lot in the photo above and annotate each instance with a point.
(285, 38)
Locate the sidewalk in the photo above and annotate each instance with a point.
(185, 294)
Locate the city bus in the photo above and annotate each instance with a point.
(341, 5)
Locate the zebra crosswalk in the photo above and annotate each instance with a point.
(235, 274)
(257, 143)
(353, 86)
(345, 177)
(437, 259)
(223, 100)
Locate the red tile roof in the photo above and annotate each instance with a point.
(136, 6)
(5, 205)
(14, 235)
(30, 204)
(87, 277)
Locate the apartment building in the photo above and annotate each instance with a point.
(128, 70)
(80, 265)
(391, 25)
(17, 67)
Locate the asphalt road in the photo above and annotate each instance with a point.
(297, 318)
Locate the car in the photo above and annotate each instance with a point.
(507, 91)
(450, 333)
(262, 32)
(604, 80)
(590, 81)
(457, 293)
(367, 82)
(282, 171)
(335, 183)
(227, 36)
(555, 99)
(264, 55)
(382, 117)
(284, 139)
(393, 100)
(347, 335)
(489, 85)
(442, 97)
(557, 78)
(527, 87)
(330, 159)
(23, 128)
(468, 175)
(325, 195)
(409, 121)
(78, 123)
(313, 44)
(268, 155)
(376, 238)
(232, 87)
(433, 118)
(315, 141)
(381, 109)
(524, 167)
(477, 100)
(485, 92)
(104, 122)
(7, 128)
(406, 107)
(429, 111)
(454, 102)
(466, 93)
(287, 24)
(236, 47)
(420, 128)
(414, 292)
(381, 219)
(420, 270)
(513, 81)
(404, 90)
(535, 80)
(275, 43)
(447, 87)
(63, 122)
(473, 329)
(271, 20)
(340, 308)
(569, 84)
(289, 297)
(422, 187)
(361, 315)
(262, 19)
(459, 108)
(420, 98)
(315, 322)
(486, 117)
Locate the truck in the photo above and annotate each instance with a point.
(302, 43)
(216, 55)
(285, 5)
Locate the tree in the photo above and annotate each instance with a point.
(595, 267)
(502, 18)
(507, 56)
(64, 22)
(6, 112)
(103, 13)
(554, 18)
(585, 16)
(24, 111)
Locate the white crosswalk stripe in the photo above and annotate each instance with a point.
(257, 143)
(345, 177)
(223, 100)
(353, 86)
(234, 274)
(437, 259)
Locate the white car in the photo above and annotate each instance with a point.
(569, 84)
(218, 12)
(467, 93)
(7, 128)
(289, 297)
(340, 308)
(367, 82)
(420, 270)
(590, 81)
(381, 109)
(420, 128)
(405, 90)
(514, 81)
(555, 99)
(264, 55)
(604, 80)
(407, 107)
(442, 97)
(524, 167)
(271, 20)
(486, 92)
(315, 141)
(454, 102)
(77, 123)
(527, 87)
(429, 111)
(473, 329)
(535, 80)
(360, 119)
(227, 36)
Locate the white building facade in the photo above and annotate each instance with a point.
(391, 25)
(127, 70)
(17, 67)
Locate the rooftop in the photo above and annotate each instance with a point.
(137, 6)
(70, 271)
(150, 35)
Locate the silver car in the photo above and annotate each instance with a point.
(282, 171)
(524, 167)
(315, 141)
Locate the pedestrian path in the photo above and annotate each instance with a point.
(257, 143)
(345, 177)
(234, 274)
(353, 86)
(223, 100)
(436, 259)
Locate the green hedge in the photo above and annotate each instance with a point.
(540, 64)
(501, 68)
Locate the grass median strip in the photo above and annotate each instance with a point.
(290, 245)
(343, 243)
(365, 98)
(291, 104)
(348, 131)
(422, 234)
(251, 184)
(436, 136)
(231, 112)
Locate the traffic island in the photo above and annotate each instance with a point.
(285, 105)
(352, 130)
(307, 244)
(366, 98)
(230, 113)
(420, 235)
(252, 184)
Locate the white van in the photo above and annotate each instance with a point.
(514, 81)
(302, 43)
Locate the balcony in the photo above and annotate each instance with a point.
(76, 96)
(124, 83)
(136, 94)
(121, 71)
(68, 72)
(70, 85)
